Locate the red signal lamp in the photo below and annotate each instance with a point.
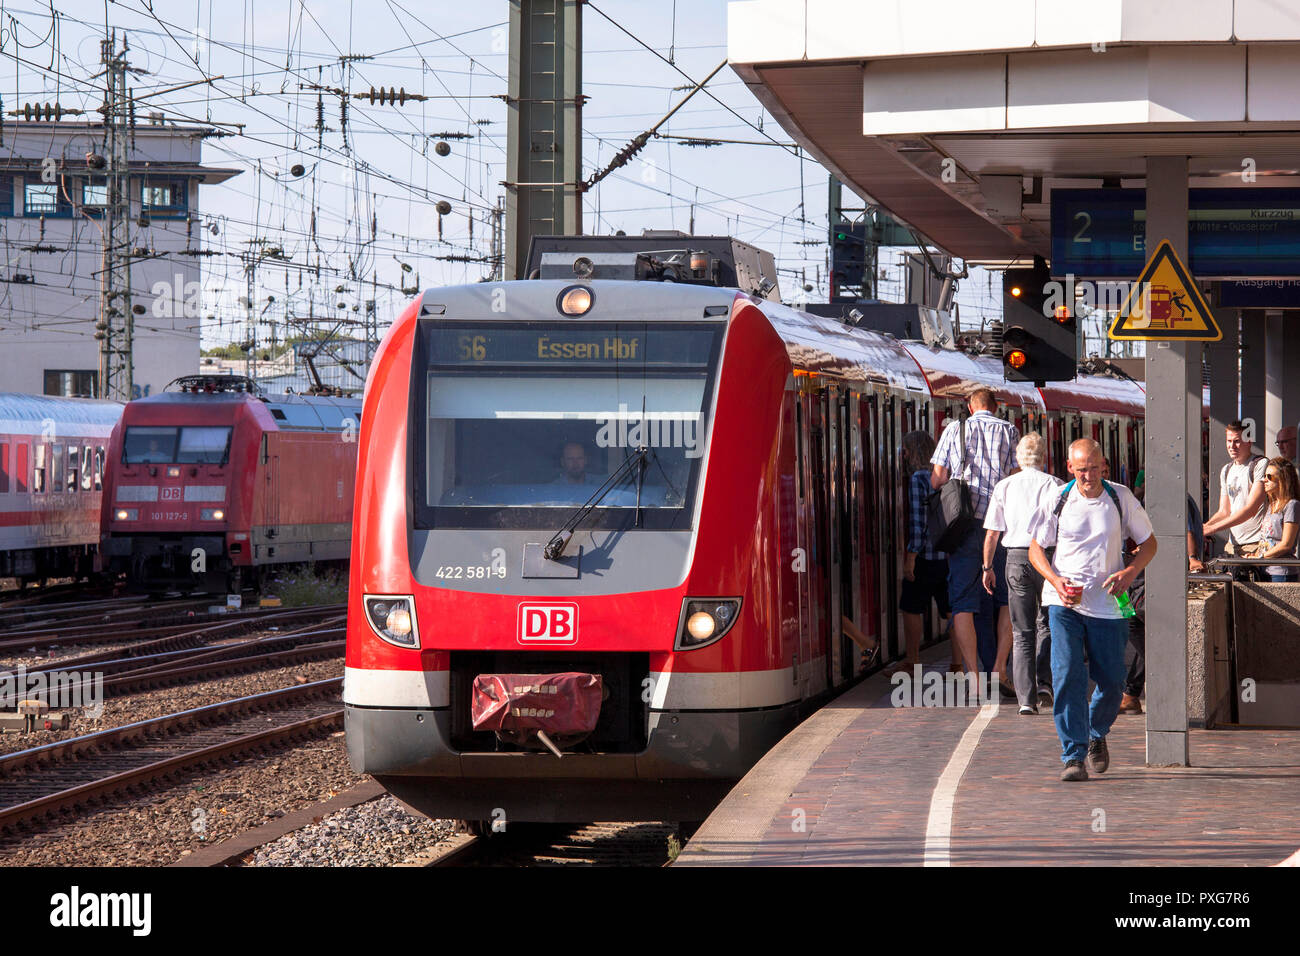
(1016, 291)
(1061, 313)
(1016, 358)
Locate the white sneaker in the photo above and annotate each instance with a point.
(1026, 710)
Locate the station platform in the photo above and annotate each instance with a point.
(863, 783)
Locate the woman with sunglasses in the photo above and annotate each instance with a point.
(1282, 485)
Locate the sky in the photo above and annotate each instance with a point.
(370, 189)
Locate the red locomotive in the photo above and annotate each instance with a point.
(674, 489)
(51, 463)
(211, 484)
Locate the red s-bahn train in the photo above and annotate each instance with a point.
(211, 484)
(679, 489)
(51, 467)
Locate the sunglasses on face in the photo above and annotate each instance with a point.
(1271, 478)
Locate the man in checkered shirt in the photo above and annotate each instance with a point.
(990, 457)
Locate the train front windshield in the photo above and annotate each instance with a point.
(525, 423)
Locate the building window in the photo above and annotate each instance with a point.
(6, 196)
(71, 383)
(94, 195)
(41, 199)
(165, 199)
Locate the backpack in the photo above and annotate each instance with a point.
(1065, 493)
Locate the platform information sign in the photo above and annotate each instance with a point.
(1251, 231)
(1164, 304)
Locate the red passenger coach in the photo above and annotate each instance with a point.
(51, 466)
(212, 483)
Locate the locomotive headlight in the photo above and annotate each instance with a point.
(701, 625)
(392, 618)
(576, 300)
(212, 514)
(704, 621)
(126, 514)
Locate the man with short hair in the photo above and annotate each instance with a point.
(1286, 442)
(1088, 521)
(1242, 499)
(1011, 515)
(989, 456)
(573, 464)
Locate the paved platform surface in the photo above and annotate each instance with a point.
(864, 783)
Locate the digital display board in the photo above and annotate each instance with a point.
(571, 345)
(1251, 231)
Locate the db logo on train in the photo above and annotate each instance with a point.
(548, 624)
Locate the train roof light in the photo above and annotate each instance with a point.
(583, 267)
(576, 300)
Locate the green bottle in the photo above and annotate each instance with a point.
(1125, 604)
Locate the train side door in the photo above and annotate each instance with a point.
(831, 527)
(269, 458)
(811, 645)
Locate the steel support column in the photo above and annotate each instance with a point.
(1275, 376)
(1291, 384)
(1223, 357)
(1168, 449)
(1252, 364)
(544, 131)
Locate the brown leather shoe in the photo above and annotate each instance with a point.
(1130, 705)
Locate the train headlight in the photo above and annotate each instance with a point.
(126, 514)
(576, 300)
(212, 514)
(392, 618)
(704, 621)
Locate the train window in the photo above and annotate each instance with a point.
(522, 443)
(528, 422)
(148, 445)
(4, 467)
(87, 468)
(73, 459)
(205, 446)
(56, 469)
(99, 468)
(21, 482)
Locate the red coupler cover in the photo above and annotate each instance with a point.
(556, 703)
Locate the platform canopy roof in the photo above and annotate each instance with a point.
(961, 117)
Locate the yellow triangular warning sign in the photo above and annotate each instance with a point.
(1164, 303)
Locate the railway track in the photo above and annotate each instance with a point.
(163, 664)
(549, 844)
(147, 627)
(43, 782)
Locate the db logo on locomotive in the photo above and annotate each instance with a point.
(548, 623)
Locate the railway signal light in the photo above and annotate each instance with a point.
(1038, 337)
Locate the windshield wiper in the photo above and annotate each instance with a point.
(554, 549)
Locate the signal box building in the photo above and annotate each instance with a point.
(52, 198)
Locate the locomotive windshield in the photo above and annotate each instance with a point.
(526, 423)
(169, 445)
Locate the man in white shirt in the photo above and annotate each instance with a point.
(988, 456)
(1242, 499)
(1010, 517)
(1088, 521)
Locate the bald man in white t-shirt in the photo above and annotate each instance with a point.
(1088, 521)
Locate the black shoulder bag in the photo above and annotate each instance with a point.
(950, 513)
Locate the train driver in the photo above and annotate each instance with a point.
(573, 465)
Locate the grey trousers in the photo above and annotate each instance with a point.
(1031, 644)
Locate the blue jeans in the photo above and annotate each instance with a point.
(1079, 720)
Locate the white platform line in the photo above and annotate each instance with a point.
(938, 827)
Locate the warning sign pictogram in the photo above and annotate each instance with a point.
(1165, 304)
